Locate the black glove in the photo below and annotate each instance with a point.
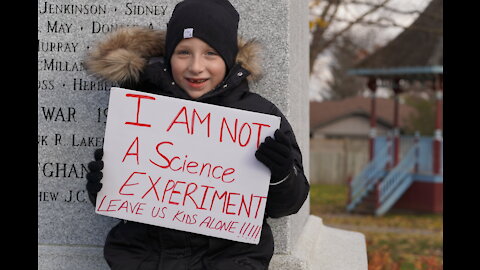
(95, 175)
(277, 155)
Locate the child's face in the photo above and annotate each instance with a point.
(197, 67)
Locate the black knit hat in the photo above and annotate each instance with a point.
(213, 21)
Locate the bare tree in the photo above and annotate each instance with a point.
(325, 13)
(345, 53)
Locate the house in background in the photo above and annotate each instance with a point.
(340, 132)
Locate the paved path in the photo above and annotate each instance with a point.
(377, 229)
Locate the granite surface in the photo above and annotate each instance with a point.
(321, 247)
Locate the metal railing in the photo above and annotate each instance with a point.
(397, 181)
(365, 181)
(416, 158)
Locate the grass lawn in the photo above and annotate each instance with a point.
(397, 240)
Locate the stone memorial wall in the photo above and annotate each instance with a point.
(73, 106)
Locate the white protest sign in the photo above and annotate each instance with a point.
(185, 165)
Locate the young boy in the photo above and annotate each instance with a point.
(199, 58)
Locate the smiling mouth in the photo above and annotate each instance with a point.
(196, 80)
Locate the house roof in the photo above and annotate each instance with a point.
(326, 112)
(416, 52)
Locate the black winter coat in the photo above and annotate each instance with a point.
(132, 57)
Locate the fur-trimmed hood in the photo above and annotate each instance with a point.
(124, 54)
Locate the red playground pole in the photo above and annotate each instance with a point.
(372, 85)
(437, 143)
(396, 126)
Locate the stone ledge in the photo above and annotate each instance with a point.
(59, 257)
(324, 248)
